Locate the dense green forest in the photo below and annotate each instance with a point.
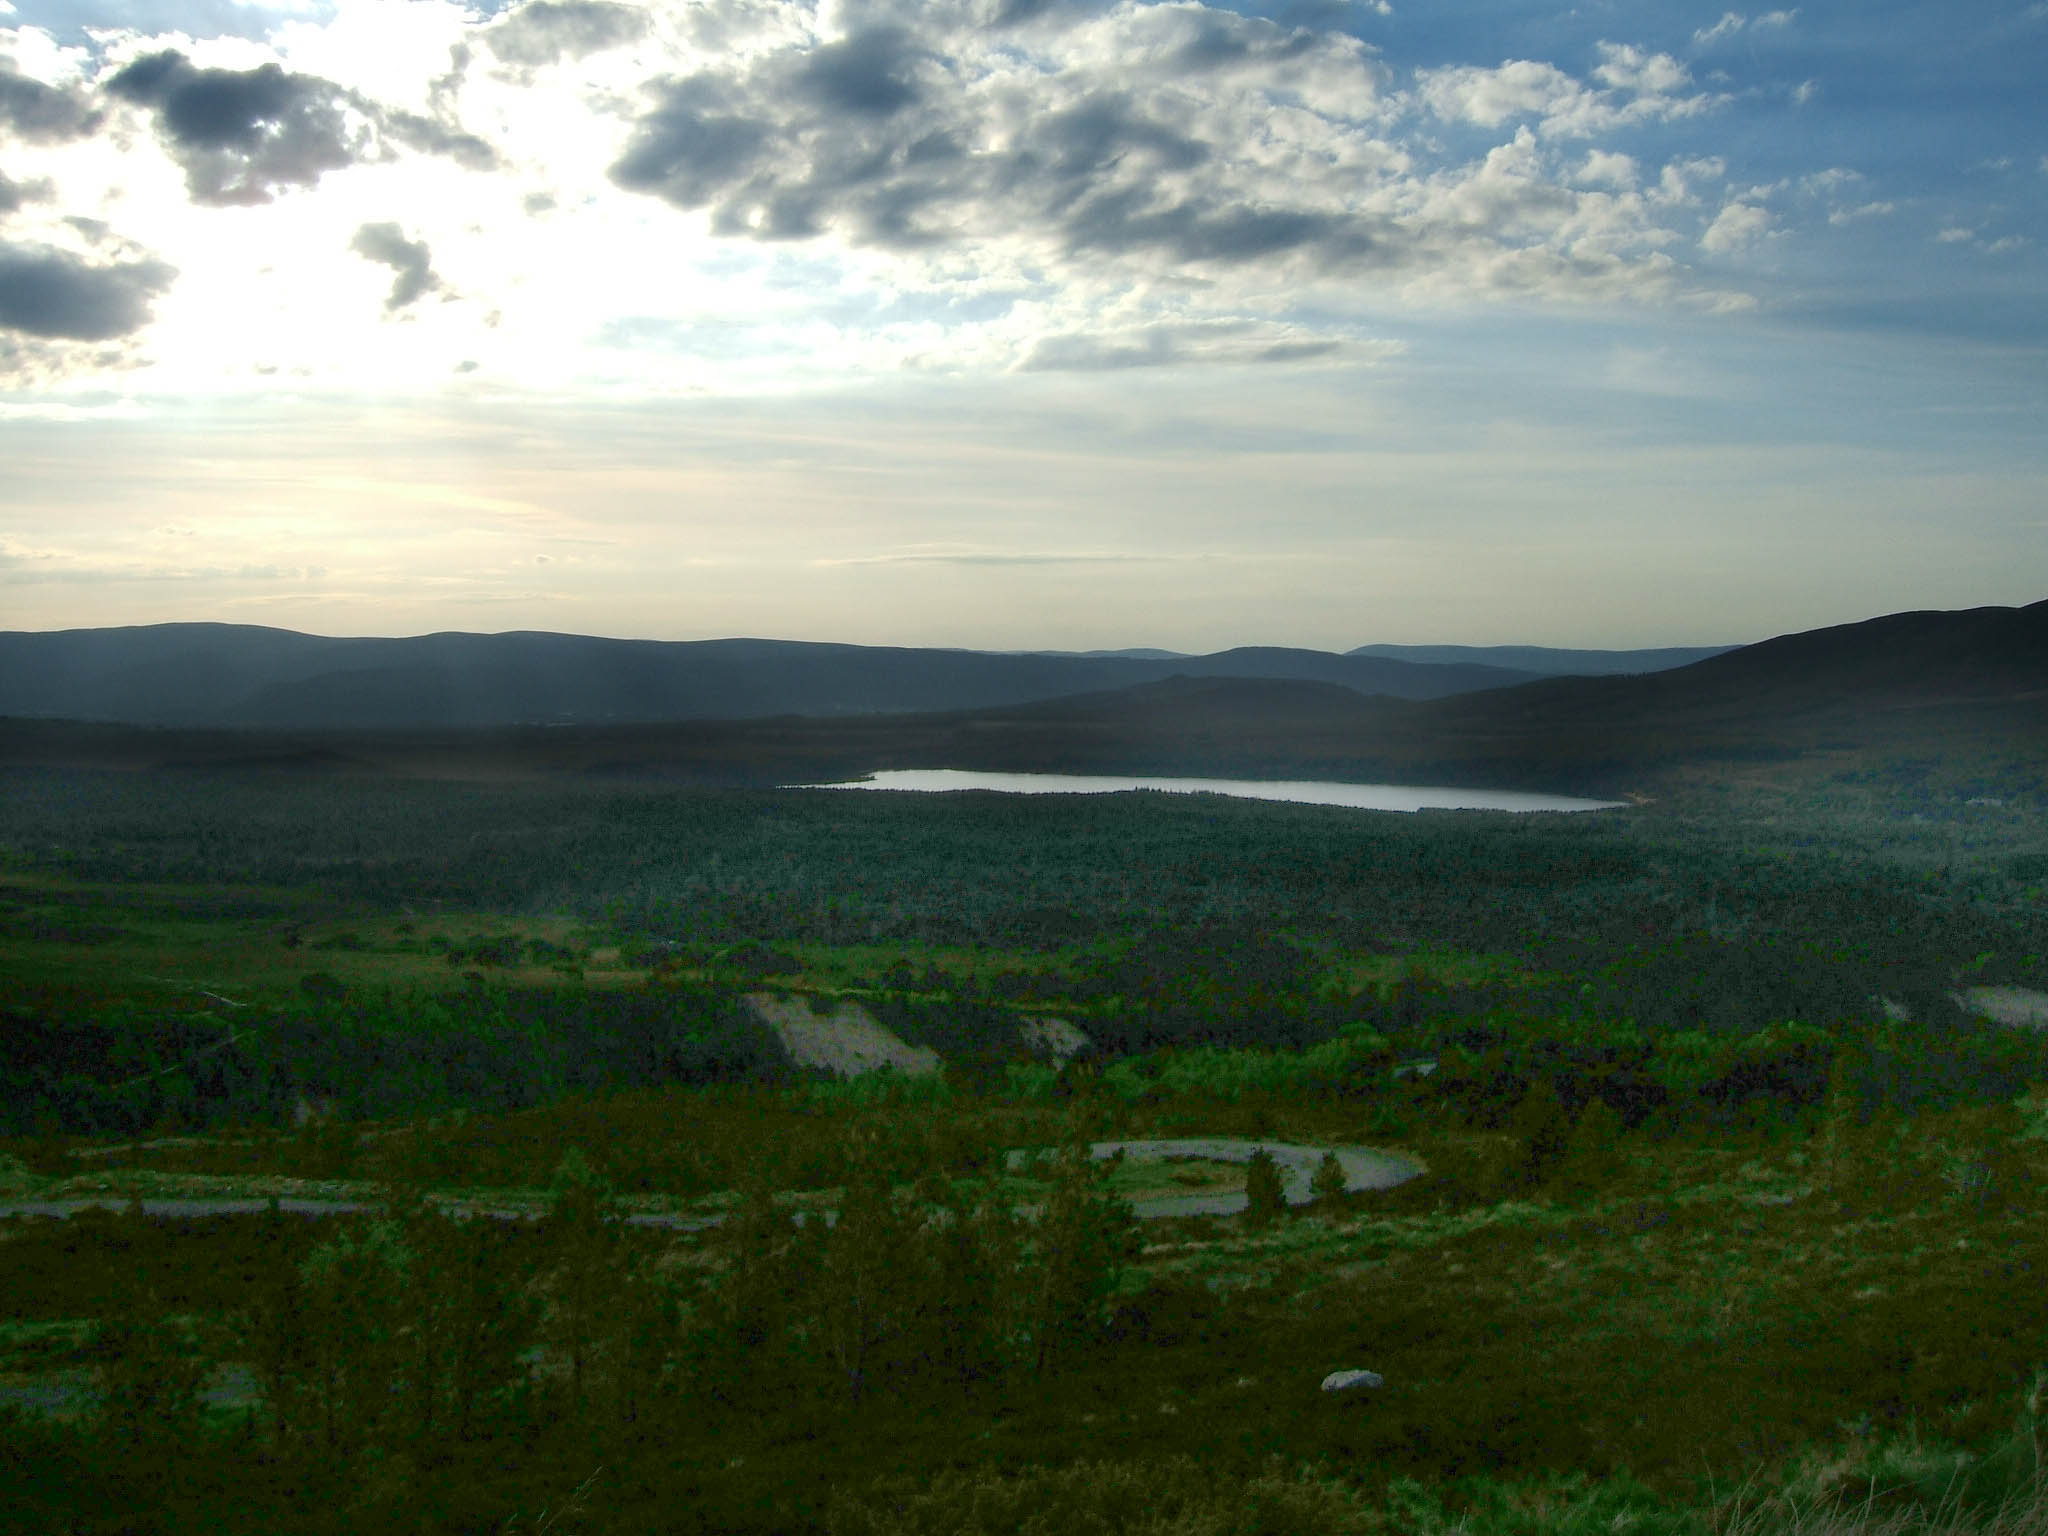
(1731, 1205)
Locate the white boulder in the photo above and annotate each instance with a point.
(1352, 1381)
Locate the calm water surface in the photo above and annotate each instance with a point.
(1365, 797)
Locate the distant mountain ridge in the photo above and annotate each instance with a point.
(254, 678)
(1549, 661)
(1966, 687)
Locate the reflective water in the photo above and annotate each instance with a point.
(1366, 797)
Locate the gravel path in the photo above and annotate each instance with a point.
(1363, 1169)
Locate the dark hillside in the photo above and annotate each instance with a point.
(1776, 690)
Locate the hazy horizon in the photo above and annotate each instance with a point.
(1022, 324)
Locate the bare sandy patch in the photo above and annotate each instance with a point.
(847, 1041)
(2014, 1006)
(1054, 1037)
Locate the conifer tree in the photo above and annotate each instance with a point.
(1265, 1195)
(1328, 1185)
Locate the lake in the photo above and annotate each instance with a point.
(1364, 797)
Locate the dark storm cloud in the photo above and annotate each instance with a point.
(549, 31)
(244, 134)
(408, 259)
(54, 294)
(39, 113)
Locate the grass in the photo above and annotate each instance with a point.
(1558, 1362)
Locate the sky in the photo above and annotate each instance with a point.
(1020, 324)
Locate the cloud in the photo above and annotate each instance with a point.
(54, 294)
(16, 195)
(1732, 22)
(904, 141)
(1634, 86)
(1603, 168)
(1737, 225)
(242, 135)
(408, 259)
(42, 113)
(66, 410)
(980, 557)
(872, 73)
(1653, 78)
(436, 136)
(1178, 143)
(1168, 345)
(1489, 97)
(544, 32)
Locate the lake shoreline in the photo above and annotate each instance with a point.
(1364, 797)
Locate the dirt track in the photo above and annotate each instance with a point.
(1363, 1169)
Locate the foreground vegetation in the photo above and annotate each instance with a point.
(1732, 1217)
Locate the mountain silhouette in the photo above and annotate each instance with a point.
(247, 677)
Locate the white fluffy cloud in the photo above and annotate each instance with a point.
(1738, 225)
